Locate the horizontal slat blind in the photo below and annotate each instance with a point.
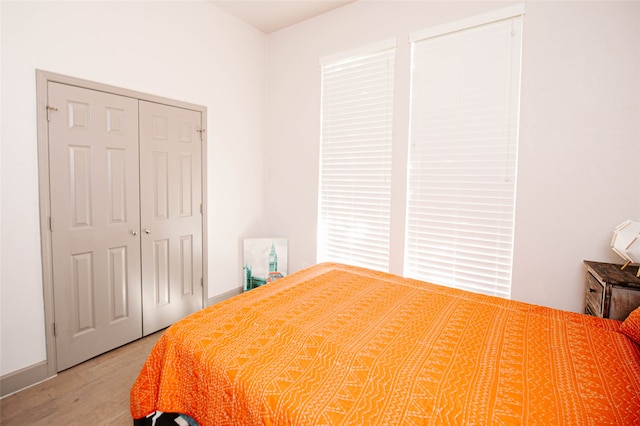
(462, 157)
(355, 160)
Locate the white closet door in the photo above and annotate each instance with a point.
(93, 145)
(171, 218)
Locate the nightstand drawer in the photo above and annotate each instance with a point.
(594, 296)
(611, 292)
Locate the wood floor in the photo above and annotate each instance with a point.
(95, 392)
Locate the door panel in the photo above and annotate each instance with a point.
(93, 146)
(171, 197)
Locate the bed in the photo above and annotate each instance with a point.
(340, 345)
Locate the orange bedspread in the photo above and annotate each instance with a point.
(335, 344)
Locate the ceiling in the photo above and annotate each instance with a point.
(269, 16)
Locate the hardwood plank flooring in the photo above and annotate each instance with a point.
(95, 392)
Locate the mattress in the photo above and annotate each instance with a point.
(336, 345)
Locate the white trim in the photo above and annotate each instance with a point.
(363, 50)
(473, 21)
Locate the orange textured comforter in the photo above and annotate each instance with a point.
(335, 344)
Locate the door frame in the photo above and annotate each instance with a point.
(43, 78)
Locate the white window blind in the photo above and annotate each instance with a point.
(355, 158)
(465, 90)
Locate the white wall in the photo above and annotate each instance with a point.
(187, 50)
(579, 155)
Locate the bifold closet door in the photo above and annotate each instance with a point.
(171, 213)
(93, 164)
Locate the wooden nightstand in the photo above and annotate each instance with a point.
(611, 292)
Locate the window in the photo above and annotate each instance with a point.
(465, 89)
(355, 157)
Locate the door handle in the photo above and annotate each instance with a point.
(147, 231)
(134, 232)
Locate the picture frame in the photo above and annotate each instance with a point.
(265, 261)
